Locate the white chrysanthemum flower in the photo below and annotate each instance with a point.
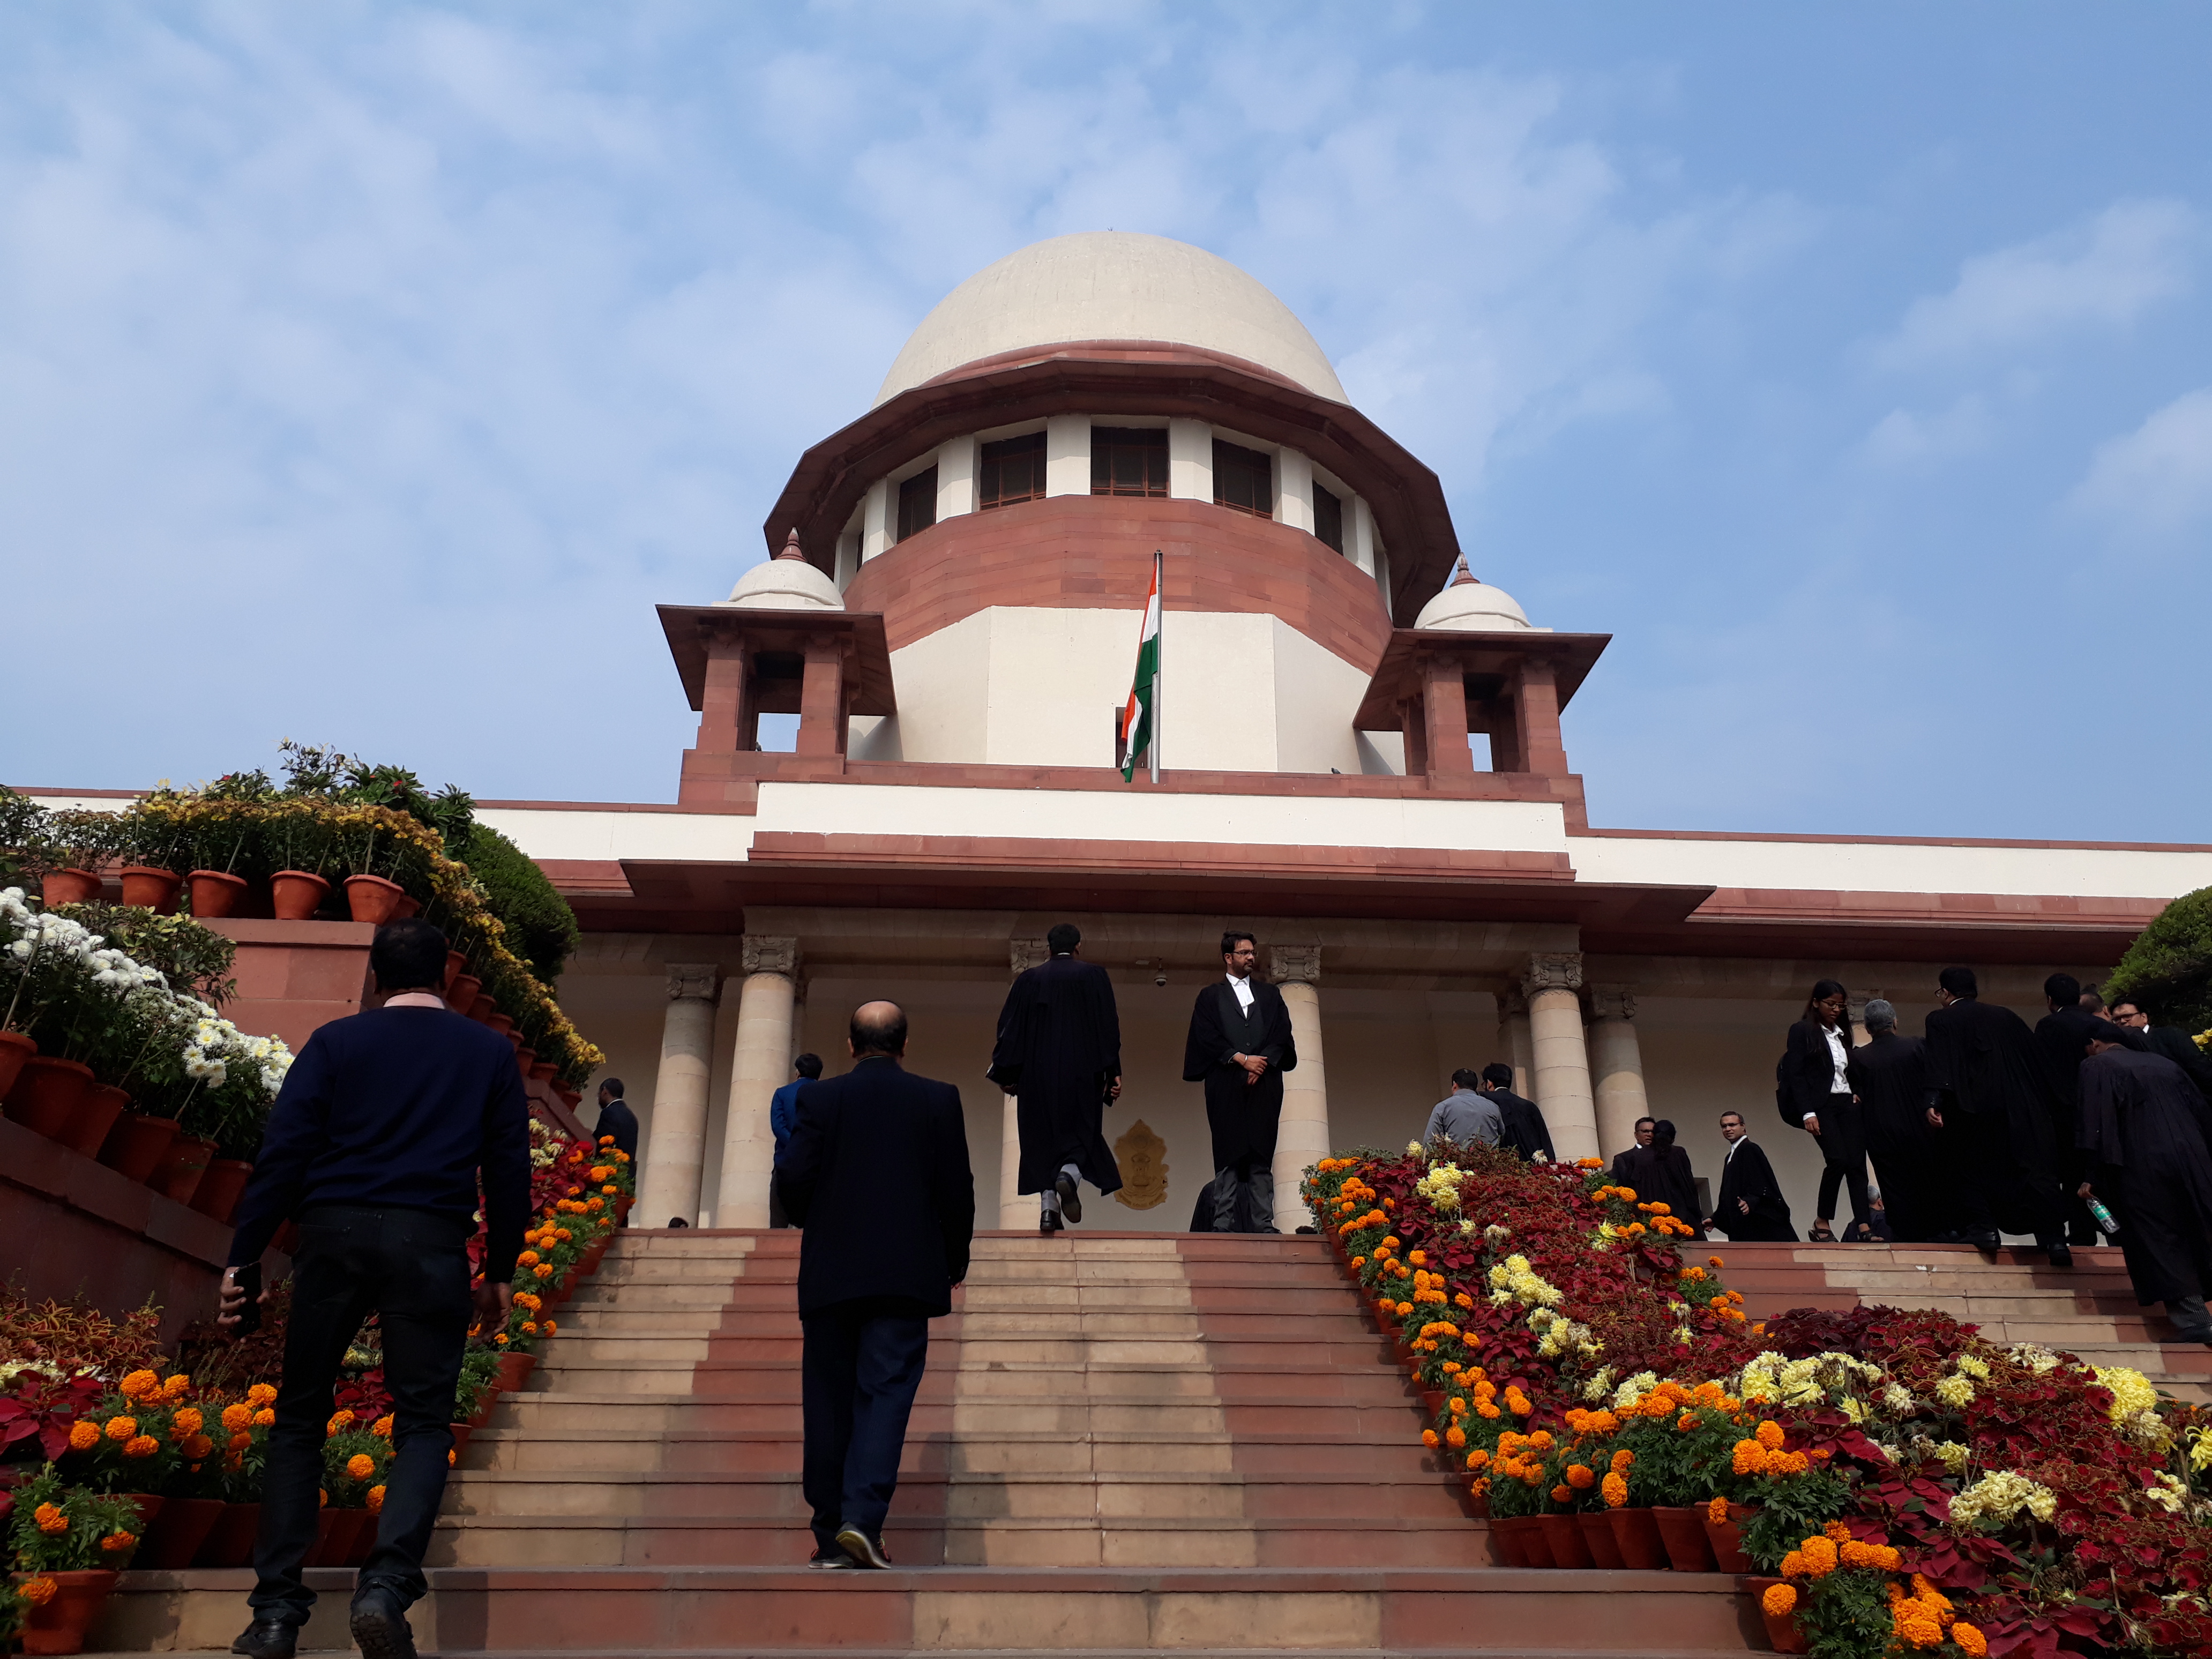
(1997, 1496)
(1955, 1391)
(1898, 1400)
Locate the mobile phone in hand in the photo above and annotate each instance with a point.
(248, 1279)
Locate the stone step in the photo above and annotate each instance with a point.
(1352, 1420)
(644, 1451)
(1103, 1498)
(938, 1541)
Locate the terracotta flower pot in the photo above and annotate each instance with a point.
(230, 1540)
(216, 893)
(542, 1071)
(136, 1146)
(60, 1626)
(1782, 1633)
(1536, 1546)
(456, 965)
(1597, 1537)
(1563, 1535)
(87, 1132)
(217, 1196)
(1642, 1549)
(297, 895)
(622, 1209)
(514, 1369)
(15, 1049)
(177, 1534)
(1505, 1539)
(461, 1431)
(69, 887)
(47, 1093)
(407, 906)
(179, 1174)
(461, 993)
(523, 1059)
(1683, 1532)
(485, 1404)
(1726, 1538)
(154, 889)
(498, 1022)
(359, 1529)
(148, 1505)
(331, 1527)
(372, 898)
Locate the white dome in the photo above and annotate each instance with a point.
(1111, 285)
(1475, 607)
(787, 582)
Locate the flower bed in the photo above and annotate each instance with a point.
(1909, 1486)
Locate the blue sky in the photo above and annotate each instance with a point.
(368, 372)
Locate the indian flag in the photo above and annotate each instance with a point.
(1140, 719)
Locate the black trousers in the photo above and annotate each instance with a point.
(1985, 1189)
(411, 1268)
(859, 1367)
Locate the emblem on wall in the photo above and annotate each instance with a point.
(1143, 1158)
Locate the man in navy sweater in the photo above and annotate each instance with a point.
(877, 1174)
(374, 1147)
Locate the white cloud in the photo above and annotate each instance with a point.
(2155, 481)
(1903, 438)
(2104, 272)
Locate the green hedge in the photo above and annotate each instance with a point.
(541, 928)
(2168, 969)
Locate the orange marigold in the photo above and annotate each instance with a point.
(177, 1387)
(83, 1435)
(1769, 1435)
(263, 1418)
(375, 1499)
(1820, 1555)
(188, 1421)
(1429, 1437)
(1750, 1458)
(241, 1440)
(1581, 1476)
(382, 1427)
(1836, 1533)
(136, 1385)
(40, 1591)
(140, 1445)
(1716, 1511)
(50, 1520)
(117, 1543)
(261, 1394)
(1614, 1487)
(1623, 1461)
(1685, 1422)
(1780, 1600)
(339, 1422)
(1477, 1458)
(122, 1428)
(1561, 1495)
(196, 1446)
(1793, 1564)
(360, 1465)
(1454, 1437)
(1971, 1640)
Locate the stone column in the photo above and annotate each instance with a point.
(1513, 1036)
(759, 1065)
(1303, 1137)
(1015, 1212)
(1616, 1062)
(1555, 1034)
(676, 1143)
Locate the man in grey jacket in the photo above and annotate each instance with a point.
(1466, 1115)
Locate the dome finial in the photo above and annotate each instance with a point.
(1461, 576)
(791, 549)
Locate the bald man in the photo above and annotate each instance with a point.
(877, 1174)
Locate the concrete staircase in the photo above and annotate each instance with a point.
(1124, 1443)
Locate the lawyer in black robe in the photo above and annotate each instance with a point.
(1889, 1074)
(2141, 1131)
(1059, 1051)
(1746, 1178)
(1998, 1151)
(1244, 1114)
(1661, 1174)
(1526, 1132)
(1806, 1087)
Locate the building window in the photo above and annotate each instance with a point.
(1128, 460)
(1329, 519)
(917, 503)
(1013, 470)
(1243, 479)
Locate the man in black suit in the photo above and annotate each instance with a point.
(878, 1163)
(2171, 1041)
(1526, 1132)
(1059, 1053)
(1998, 1120)
(1750, 1206)
(617, 1118)
(1239, 1046)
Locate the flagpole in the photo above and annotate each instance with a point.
(1160, 652)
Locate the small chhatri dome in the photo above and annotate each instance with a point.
(1111, 285)
(786, 582)
(1473, 606)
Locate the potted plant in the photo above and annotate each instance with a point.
(302, 842)
(68, 1542)
(75, 844)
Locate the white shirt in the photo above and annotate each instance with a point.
(1733, 1144)
(1243, 989)
(1839, 1051)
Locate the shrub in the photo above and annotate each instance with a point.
(2169, 967)
(541, 928)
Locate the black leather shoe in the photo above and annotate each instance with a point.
(1981, 1241)
(380, 1626)
(1071, 1198)
(268, 1638)
(2061, 1256)
(1049, 1223)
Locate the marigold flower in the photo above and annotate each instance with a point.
(550, 1328)
(189, 1421)
(1749, 1458)
(1429, 1437)
(1837, 1532)
(340, 1421)
(241, 1440)
(530, 1327)
(1820, 1556)
(122, 1428)
(40, 1591)
(116, 1543)
(360, 1465)
(1971, 1640)
(1623, 1461)
(1769, 1435)
(1793, 1564)
(527, 1258)
(196, 1446)
(382, 1427)
(1454, 1437)
(544, 1270)
(1614, 1487)
(50, 1520)
(265, 1418)
(137, 1384)
(1477, 1458)
(83, 1435)
(1780, 1600)
(261, 1394)
(177, 1387)
(1581, 1476)
(140, 1445)
(1919, 1632)
(1718, 1511)
(1686, 1422)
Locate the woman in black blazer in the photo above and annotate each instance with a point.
(1813, 1096)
